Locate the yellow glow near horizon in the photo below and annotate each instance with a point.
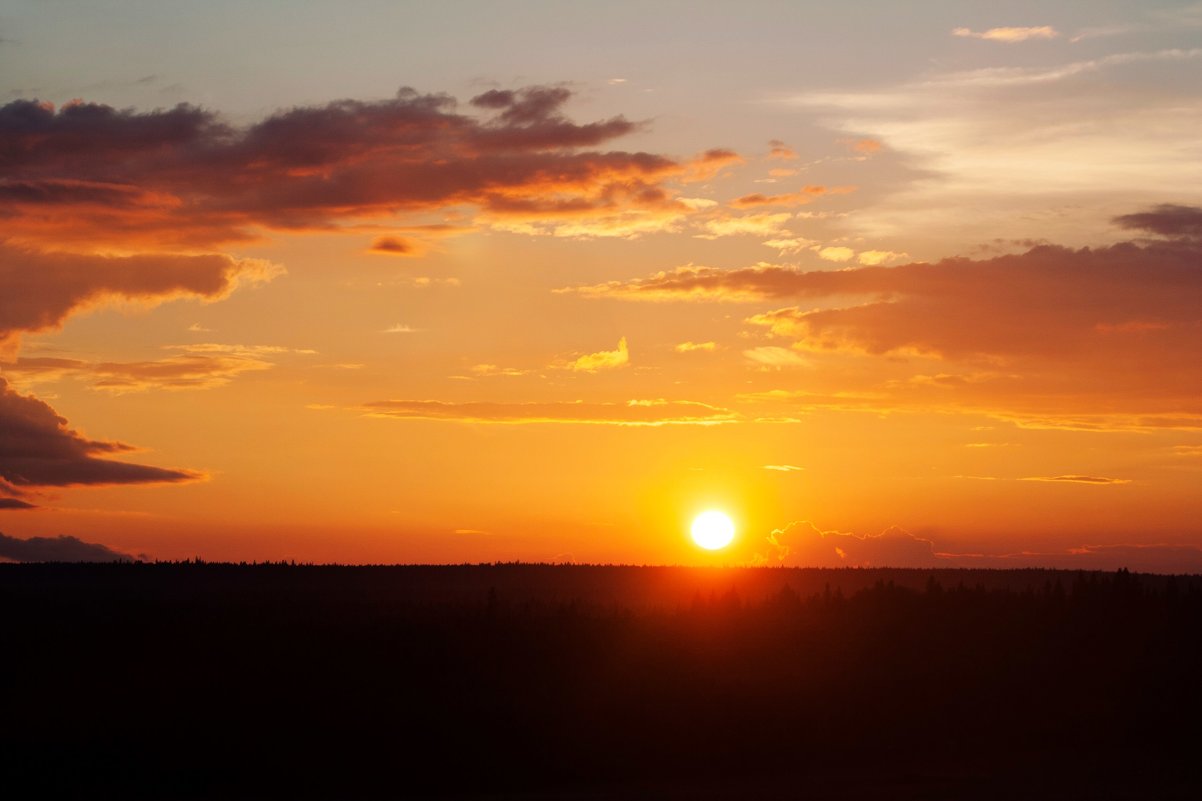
(713, 530)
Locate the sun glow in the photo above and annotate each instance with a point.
(713, 530)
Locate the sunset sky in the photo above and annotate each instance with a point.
(889, 284)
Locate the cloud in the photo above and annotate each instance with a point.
(62, 548)
(775, 357)
(14, 503)
(803, 544)
(1009, 35)
(1167, 219)
(1091, 338)
(783, 468)
(395, 246)
(864, 146)
(631, 413)
(186, 177)
(197, 366)
(37, 449)
(39, 290)
(781, 151)
(603, 360)
(690, 347)
(873, 258)
(836, 254)
(1097, 480)
(789, 245)
(710, 163)
(978, 149)
(691, 282)
(399, 328)
(807, 194)
(763, 224)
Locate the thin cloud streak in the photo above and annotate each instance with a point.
(631, 413)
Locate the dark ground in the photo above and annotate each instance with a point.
(523, 682)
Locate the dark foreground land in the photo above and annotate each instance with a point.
(544, 682)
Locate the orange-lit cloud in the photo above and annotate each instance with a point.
(1009, 35)
(1096, 480)
(807, 194)
(710, 163)
(695, 283)
(603, 360)
(690, 347)
(42, 289)
(1059, 335)
(872, 258)
(631, 413)
(781, 151)
(198, 366)
(864, 147)
(803, 543)
(760, 224)
(836, 253)
(772, 356)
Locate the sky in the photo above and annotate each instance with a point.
(465, 282)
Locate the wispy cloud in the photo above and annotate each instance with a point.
(984, 145)
(1096, 480)
(1009, 35)
(631, 413)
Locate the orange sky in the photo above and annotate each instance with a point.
(940, 304)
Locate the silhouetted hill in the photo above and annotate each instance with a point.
(277, 681)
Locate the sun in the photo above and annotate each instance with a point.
(713, 530)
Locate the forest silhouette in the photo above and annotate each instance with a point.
(194, 680)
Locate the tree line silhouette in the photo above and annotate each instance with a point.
(196, 680)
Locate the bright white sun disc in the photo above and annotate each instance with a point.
(713, 530)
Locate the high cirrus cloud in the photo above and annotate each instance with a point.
(631, 413)
(38, 450)
(185, 176)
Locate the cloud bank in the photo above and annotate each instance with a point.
(57, 549)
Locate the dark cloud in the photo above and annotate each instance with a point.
(57, 549)
(631, 413)
(1166, 219)
(1099, 480)
(15, 503)
(393, 245)
(37, 449)
(90, 173)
